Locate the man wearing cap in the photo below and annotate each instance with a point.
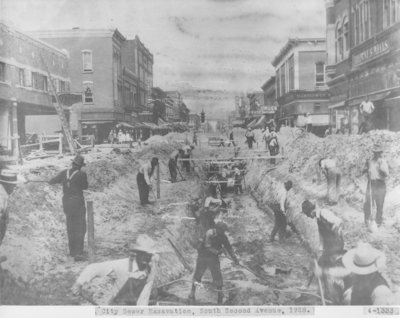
(173, 163)
(333, 177)
(369, 287)
(144, 178)
(250, 138)
(74, 181)
(330, 268)
(208, 257)
(133, 277)
(378, 170)
(279, 209)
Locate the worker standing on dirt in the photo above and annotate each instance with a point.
(369, 287)
(208, 257)
(144, 178)
(250, 138)
(212, 207)
(273, 144)
(194, 138)
(280, 213)
(231, 138)
(333, 177)
(187, 152)
(329, 262)
(378, 170)
(238, 181)
(134, 275)
(173, 163)
(74, 181)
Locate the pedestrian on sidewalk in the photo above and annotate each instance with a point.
(74, 181)
(231, 138)
(280, 213)
(378, 170)
(333, 177)
(208, 257)
(369, 287)
(134, 276)
(144, 178)
(335, 278)
(250, 138)
(173, 163)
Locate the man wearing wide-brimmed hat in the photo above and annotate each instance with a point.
(378, 170)
(74, 181)
(134, 276)
(368, 287)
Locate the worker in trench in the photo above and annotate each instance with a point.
(173, 163)
(144, 178)
(378, 170)
(187, 153)
(329, 267)
(132, 277)
(213, 245)
(280, 209)
(250, 138)
(333, 177)
(74, 181)
(369, 287)
(212, 208)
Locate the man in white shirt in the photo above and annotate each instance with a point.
(133, 276)
(366, 110)
(212, 207)
(333, 178)
(280, 213)
(143, 179)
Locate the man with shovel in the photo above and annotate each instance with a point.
(173, 163)
(378, 170)
(143, 179)
(212, 246)
(74, 181)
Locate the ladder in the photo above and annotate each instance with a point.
(60, 111)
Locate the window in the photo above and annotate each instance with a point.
(283, 79)
(62, 86)
(357, 29)
(366, 20)
(21, 77)
(346, 39)
(88, 92)
(278, 86)
(317, 107)
(390, 12)
(291, 73)
(39, 81)
(319, 74)
(339, 43)
(87, 61)
(28, 78)
(3, 71)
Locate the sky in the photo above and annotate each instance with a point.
(209, 44)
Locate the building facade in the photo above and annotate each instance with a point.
(113, 74)
(173, 105)
(25, 88)
(363, 48)
(300, 83)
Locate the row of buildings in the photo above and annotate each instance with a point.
(102, 78)
(330, 77)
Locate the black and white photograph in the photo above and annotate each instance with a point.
(200, 157)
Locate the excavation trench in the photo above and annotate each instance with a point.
(41, 274)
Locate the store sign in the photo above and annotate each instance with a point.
(371, 53)
(303, 95)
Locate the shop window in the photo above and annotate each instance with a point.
(87, 61)
(21, 77)
(319, 74)
(88, 92)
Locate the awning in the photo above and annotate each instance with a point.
(152, 126)
(94, 122)
(252, 123)
(372, 98)
(337, 105)
(124, 125)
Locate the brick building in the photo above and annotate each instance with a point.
(113, 74)
(300, 83)
(24, 84)
(363, 39)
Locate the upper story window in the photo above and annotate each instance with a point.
(339, 42)
(88, 92)
(87, 61)
(39, 81)
(291, 72)
(391, 12)
(346, 38)
(3, 72)
(319, 74)
(21, 77)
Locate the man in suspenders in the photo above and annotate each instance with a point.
(74, 181)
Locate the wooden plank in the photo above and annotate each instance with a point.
(90, 221)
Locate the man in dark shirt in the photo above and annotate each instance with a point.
(208, 257)
(74, 181)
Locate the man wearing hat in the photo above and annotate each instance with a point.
(330, 268)
(143, 179)
(173, 163)
(368, 285)
(133, 276)
(279, 209)
(378, 170)
(208, 257)
(74, 181)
